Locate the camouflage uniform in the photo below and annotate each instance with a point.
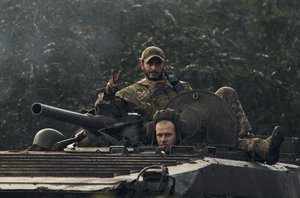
(145, 96)
(230, 96)
(260, 149)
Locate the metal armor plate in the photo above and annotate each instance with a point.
(210, 120)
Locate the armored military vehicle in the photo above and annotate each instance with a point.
(210, 166)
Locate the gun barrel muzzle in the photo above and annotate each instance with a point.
(36, 108)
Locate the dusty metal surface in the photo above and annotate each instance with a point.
(62, 164)
(209, 118)
(212, 177)
(81, 171)
(86, 172)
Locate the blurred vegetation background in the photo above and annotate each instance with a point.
(61, 52)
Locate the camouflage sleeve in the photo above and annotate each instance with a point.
(128, 93)
(103, 100)
(105, 97)
(99, 99)
(133, 94)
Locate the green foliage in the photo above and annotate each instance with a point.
(61, 52)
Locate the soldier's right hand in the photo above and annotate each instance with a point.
(112, 84)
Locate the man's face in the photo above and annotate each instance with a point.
(153, 69)
(165, 133)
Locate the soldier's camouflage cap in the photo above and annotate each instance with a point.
(151, 52)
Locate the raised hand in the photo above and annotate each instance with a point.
(111, 87)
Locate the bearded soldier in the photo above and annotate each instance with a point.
(150, 93)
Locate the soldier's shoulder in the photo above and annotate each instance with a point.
(133, 87)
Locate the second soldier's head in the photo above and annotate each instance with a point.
(167, 128)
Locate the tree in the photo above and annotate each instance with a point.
(61, 52)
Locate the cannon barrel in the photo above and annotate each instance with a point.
(84, 120)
